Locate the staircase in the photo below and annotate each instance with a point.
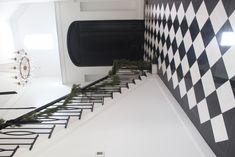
(27, 134)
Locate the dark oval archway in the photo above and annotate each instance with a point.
(98, 43)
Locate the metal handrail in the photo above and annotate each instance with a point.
(12, 121)
(61, 117)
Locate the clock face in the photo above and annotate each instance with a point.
(24, 67)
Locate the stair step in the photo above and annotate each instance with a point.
(97, 93)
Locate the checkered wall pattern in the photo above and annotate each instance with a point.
(185, 37)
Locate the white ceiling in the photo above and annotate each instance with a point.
(9, 7)
(28, 1)
(6, 10)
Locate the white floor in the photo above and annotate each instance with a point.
(144, 121)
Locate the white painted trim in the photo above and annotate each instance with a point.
(60, 42)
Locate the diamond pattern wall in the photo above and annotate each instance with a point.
(185, 37)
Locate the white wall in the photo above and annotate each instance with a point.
(38, 19)
(6, 53)
(7, 47)
(67, 12)
(17, 20)
(6, 37)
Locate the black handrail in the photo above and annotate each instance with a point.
(59, 117)
(8, 93)
(14, 121)
(17, 108)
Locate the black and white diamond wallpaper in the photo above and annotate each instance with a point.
(193, 41)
